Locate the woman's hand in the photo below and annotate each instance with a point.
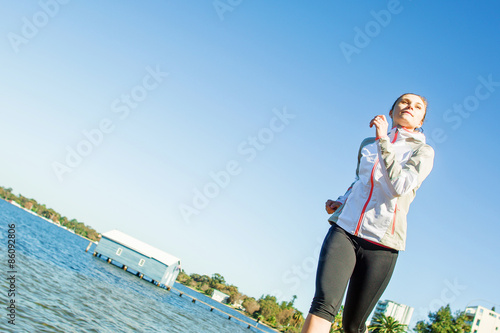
(331, 206)
(381, 126)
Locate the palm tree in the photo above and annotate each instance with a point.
(386, 324)
(337, 323)
(297, 318)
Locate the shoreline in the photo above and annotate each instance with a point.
(13, 203)
(232, 308)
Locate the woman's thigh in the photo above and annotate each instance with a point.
(336, 264)
(374, 268)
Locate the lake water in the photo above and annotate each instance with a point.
(61, 288)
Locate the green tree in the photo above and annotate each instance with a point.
(337, 322)
(443, 321)
(284, 316)
(250, 305)
(7, 193)
(72, 224)
(235, 297)
(217, 278)
(286, 312)
(290, 304)
(195, 277)
(204, 279)
(93, 235)
(182, 277)
(386, 324)
(269, 309)
(63, 220)
(297, 319)
(292, 329)
(23, 200)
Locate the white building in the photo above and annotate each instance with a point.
(220, 296)
(157, 265)
(483, 320)
(400, 312)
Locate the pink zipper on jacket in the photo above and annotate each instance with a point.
(394, 219)
(368, 200)
(371, 190)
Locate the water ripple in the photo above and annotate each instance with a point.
(61, 288)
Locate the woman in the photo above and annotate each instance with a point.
(369, 220)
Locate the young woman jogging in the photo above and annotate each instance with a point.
(369, 220)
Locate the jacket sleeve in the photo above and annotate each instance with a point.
(343, 198)
(410, 176)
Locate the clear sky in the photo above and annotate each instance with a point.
(216, 131)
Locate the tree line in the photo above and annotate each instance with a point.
(79, 228)
(284, 317)
(441, 321)
(279, 315)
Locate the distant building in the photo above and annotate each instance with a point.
(238, 304)
(400, 312)
(220, 296)
(139, 256)
(482, 320)
(15, 203)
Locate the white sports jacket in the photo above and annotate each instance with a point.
(389, 172)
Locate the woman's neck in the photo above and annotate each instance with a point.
(409, 129)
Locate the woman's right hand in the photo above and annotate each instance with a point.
(331, 206)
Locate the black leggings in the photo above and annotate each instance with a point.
(368, 268)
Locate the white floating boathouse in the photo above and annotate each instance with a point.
(161, 267)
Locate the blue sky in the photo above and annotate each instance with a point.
(260, 107)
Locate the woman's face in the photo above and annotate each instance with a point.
(408, 112)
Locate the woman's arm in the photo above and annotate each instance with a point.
(403, 178)
(412, 174)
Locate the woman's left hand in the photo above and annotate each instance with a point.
(381, 126)
(331, 206)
